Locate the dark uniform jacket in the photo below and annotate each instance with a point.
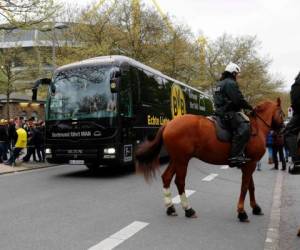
(228, 97)
(3, 134)
(295, 95)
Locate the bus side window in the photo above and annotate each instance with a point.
(135, 85)
(150, 87)
(125, 95)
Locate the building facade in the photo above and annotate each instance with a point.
(45, 39)
(21, 105)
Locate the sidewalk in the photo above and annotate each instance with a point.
(22, 166)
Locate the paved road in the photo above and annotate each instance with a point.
(65, 207)
(290, 213)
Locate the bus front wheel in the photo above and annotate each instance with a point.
(92, 166)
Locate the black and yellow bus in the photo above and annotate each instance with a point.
(98, 110)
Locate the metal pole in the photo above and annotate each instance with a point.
(53, 47)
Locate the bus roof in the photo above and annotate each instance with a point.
(118, 61)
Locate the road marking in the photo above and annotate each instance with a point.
(225, 167)
(119, 237)
(176, 199)
(210, 177)
(272, 239)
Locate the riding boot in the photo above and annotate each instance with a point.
(237, 156)
(291, 141)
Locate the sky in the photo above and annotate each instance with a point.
(273, 22)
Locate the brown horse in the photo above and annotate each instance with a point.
(190, 136)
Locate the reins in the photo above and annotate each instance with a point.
(256, 115)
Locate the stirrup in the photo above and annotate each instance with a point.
(238, 161)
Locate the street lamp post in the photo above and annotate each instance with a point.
(52, 29)
(56, 26)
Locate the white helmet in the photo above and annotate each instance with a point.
(233, 68)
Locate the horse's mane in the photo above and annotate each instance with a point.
(263, 105)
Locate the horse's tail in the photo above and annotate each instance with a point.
(147, 155)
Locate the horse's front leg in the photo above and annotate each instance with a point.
(256, 210)
(180, 183)
(247, 171)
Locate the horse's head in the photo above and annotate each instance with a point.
(271, 114)
(278, 116)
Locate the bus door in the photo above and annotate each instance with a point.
(127, 137)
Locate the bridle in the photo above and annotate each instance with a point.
(256, 115)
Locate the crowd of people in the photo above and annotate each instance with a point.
(19, 136)
(277, 150)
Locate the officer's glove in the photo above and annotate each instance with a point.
(249, 107)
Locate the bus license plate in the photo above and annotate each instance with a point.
(76, 162)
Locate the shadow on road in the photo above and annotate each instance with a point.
(102, 172)
(107, 172)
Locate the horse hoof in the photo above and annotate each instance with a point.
(243, 217)
(257, 210)
(190, 213)
(171, 211)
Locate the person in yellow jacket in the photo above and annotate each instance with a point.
(21, 143)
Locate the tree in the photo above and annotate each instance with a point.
(147, 37)
(8, 76)
(26, 13)
(255, 81)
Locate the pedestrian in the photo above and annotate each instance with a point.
(293, 127)
(39, 141)
(12, 135)
(21, 143)
(286, 153)
(269, 143)
(278, 148)
(31, 135)
(3, 140)
(258, 165)
(229, 102)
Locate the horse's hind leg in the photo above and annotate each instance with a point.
(181, 169)
(167, 177)
(256, 210)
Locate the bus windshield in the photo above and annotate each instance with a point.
(82, 93)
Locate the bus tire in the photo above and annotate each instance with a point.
(92, 166)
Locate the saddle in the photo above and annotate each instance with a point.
(223, 132)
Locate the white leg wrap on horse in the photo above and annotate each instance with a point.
(184, 201)
(167, 197)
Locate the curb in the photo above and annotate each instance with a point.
(273, 234)
(11, 170)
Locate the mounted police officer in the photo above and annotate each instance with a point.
(293, 127)
(229, 103)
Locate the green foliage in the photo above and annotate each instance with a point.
(26, 13)
(113, 29)
(146, 36)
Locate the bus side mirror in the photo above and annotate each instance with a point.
(34, 94)
(43, 81)
(114, 85)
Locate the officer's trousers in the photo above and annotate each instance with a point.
(290, 134)
(240, 127)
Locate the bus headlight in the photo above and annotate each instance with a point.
(48, 151)
(109, 151)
